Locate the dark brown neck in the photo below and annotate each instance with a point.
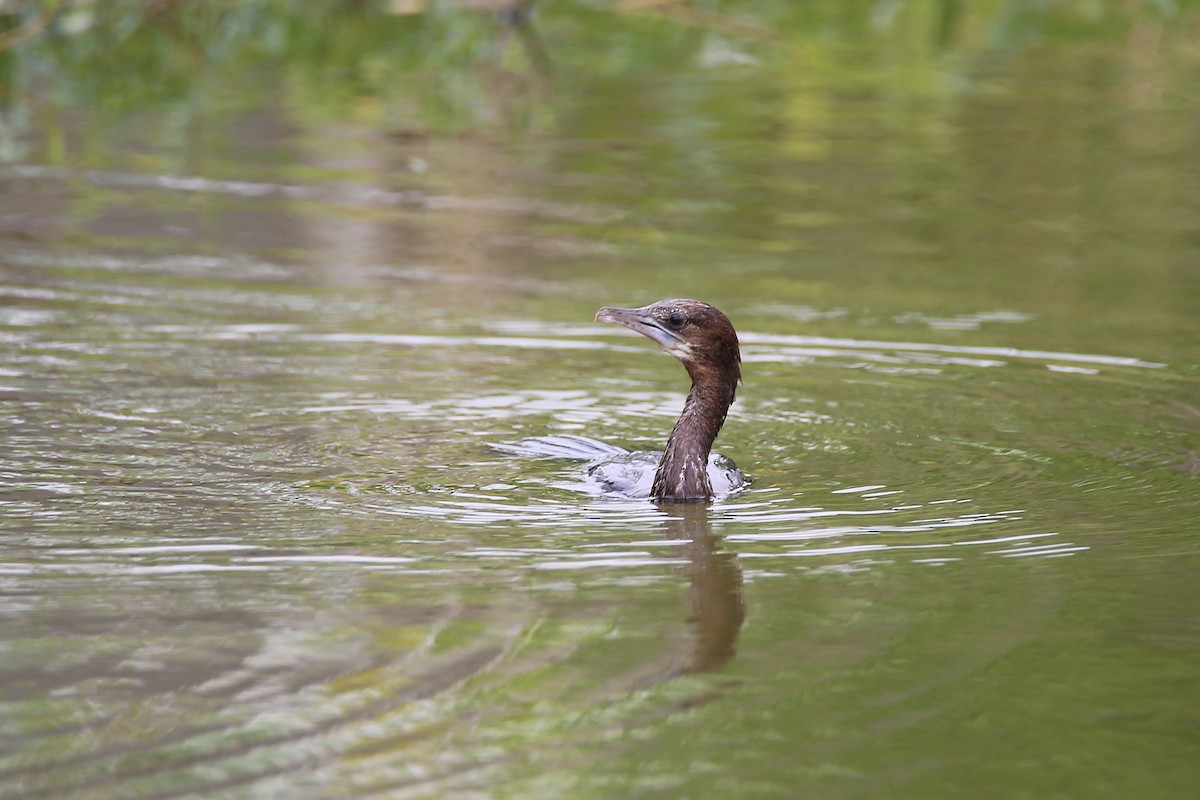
(683, 473)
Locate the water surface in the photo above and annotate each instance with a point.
(263, 315)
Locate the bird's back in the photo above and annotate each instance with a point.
(617, 472)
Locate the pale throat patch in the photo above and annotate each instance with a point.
(682, 350)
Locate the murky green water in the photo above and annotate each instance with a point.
(273, 283)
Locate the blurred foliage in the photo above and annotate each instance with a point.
(790, 126)
(126, 54)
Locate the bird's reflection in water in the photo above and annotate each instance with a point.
(718, 609)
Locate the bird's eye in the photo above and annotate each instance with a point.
(676, 319)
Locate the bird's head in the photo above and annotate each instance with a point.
(696, 333)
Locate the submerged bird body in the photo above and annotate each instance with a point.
(703, 339)
(637, 475)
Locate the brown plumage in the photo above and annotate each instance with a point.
(704, 340)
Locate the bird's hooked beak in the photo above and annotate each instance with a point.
(644, 322)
